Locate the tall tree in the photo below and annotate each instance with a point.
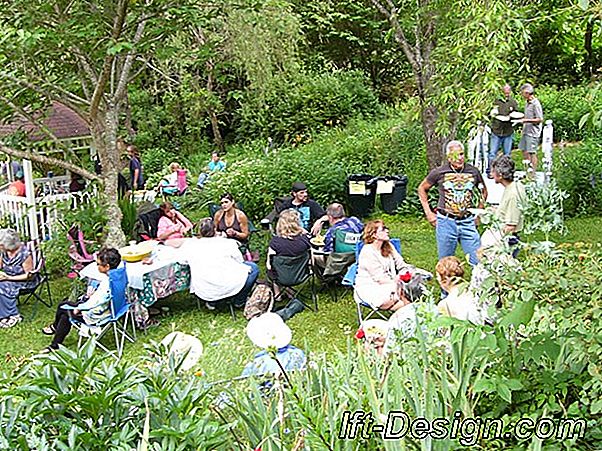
(459, 52)
(82, 54)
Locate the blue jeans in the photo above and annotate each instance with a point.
(240, 298)
(494, 145)
(451, 231)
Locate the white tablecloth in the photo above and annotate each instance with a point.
(162, 256)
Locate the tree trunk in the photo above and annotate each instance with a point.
(434, 142)
(217, 135)
(589, 52)
(104, 134)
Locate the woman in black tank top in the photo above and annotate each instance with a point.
(231, 222)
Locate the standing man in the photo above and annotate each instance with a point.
(509, 213)
(311, 213)
(136, 176)
(532, 126)
(501, 131)
(461, 187)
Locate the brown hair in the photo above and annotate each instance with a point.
(450, 269)
(369, 236)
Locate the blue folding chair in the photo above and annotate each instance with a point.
(120, 309)
(349, 280)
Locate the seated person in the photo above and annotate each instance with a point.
(16, 263)
(231, 222)
(269, 331)
(92, 307)
(17, 188)
(310, 212)
(172, 224)
(338, 221)
(217, 269)
(459, 303)
(169, 183)
(214, 165)
(76, 182)
(291, 240)
(377, 268)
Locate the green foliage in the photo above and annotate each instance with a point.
(388, 147)
(566, 106)
(542, 208)
(304, 103)
(578, 170)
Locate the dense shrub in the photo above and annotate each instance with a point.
(578, 170)
(310, 102)
(387, 147)
(566, 107)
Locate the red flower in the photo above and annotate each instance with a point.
(360, 334)
(405, 277)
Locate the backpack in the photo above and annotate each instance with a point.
(260, 301)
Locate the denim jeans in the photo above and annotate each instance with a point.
(494, 145)
(240, 298)
(451, 231)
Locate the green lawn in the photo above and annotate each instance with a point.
(226, 346)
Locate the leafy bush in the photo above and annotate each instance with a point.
(310, 102)
(578, 170)
(566, 107)
(387, 147)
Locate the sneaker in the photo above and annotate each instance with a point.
(210, 306)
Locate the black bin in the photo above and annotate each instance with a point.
(390, 202)
(361, 191)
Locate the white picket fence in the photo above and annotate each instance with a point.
(39, 217)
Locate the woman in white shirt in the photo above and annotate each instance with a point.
(217, 270)
(377, 268)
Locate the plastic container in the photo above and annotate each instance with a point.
(361, 191)
(390, 202)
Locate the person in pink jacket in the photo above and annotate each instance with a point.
(172, 224)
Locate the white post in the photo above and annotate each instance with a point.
(547, 146)
(30, 197)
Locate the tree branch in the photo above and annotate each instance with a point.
(48, 160)
(129, 60)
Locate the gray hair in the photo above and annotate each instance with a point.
(414, 289)
(206, 228)
(335, 210)
(9, 239)
(504, 166)
(527, 87)
(451, 144)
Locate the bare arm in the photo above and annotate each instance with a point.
(423, 190)
(244, 226)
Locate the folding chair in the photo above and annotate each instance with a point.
(40, 275)
(120, 309)
(77, 249)
(292, 274)
(147, 223)
(349, 280)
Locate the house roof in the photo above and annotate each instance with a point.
(60, 120)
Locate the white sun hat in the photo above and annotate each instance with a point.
(269, 330)
(179, 343)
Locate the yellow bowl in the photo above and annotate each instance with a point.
(133, 254)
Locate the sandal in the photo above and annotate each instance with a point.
(49, 330)
(11, 321)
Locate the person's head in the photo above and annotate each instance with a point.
(507, 90)
(167, 210)
(215, 157)
(289, 224)
(454, 151)
(227, 202)
(206, 228)
(133, 151)
(299, 192)
(173, 167)
(377, 231)
(410, 286)
(449, 272)
(20, 176)
(107, 259)
(502, 169)
(526, 91)
(121, 145)
(335, 213)
(9, 240)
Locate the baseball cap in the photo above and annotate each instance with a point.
(298, 186)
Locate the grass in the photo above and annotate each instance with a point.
(226, 347)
